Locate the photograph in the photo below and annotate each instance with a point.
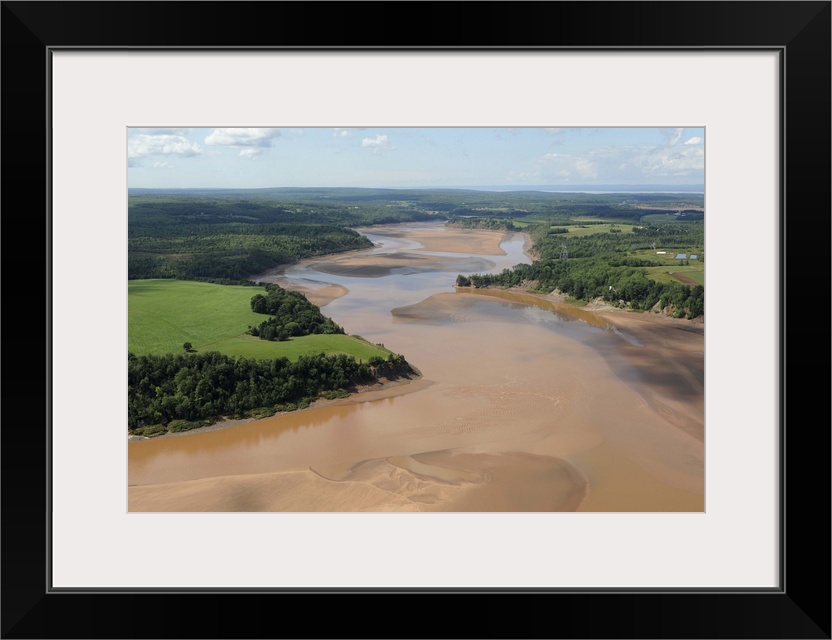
(416, 319)
(415, 309)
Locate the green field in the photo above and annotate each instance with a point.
(577, 230)
(662, 218)
(669, 273)
(590, 229)
(164, 314)
(668, 268)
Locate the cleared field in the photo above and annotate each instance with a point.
(577, 230)
(164, 314)
(599, 228)
(664, 218)
(669, 255)
(251, 347)
(686, 275)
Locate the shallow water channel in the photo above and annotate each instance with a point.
(520, 408)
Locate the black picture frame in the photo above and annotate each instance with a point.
(799, 608)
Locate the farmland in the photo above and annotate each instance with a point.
(164, 314)
(691, 274)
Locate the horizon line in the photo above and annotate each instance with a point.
(532, 187)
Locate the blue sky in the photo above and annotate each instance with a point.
(414, 157)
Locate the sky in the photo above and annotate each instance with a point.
(414, 157)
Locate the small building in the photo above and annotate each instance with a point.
(681, 256)
(693, 256)
(661, 253)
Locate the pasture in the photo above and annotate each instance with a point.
(578, 229)
(668, 269)
(591, 229)
(690, 275)
(164, 314)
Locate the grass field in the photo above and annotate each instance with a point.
(599, 228)
(164, 314)
(662, 218)
(668, 269)
(678, 274)
(623, 227)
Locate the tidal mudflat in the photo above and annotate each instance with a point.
(525, 403)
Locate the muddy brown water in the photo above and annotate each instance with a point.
(524, 405)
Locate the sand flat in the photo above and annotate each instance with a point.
(442, 481)
(447, 239)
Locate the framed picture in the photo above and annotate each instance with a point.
(755, 76)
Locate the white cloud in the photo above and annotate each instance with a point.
(251, 152)
(678, 160)
(243, 137)
(624, 164)
(674, 158)
(378, 144)
(345, 132)
(161, 145)
(554, 130)
(378, 141)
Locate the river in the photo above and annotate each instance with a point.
(523, 404)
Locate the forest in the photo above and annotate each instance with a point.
(291, 315)
(228, 239)
(178, 392)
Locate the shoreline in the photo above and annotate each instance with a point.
(598, 308)
(528, 244)
(363, 393)
(594, 312)
(521, 430)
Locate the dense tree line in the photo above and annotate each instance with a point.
(360, 207)
(189, 389)
(152, 213)
(598, 265)
(223, 236)
(292, 315)
(590, 278)
(494, 224)
(232, 251)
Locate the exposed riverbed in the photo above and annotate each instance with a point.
(524, 404)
